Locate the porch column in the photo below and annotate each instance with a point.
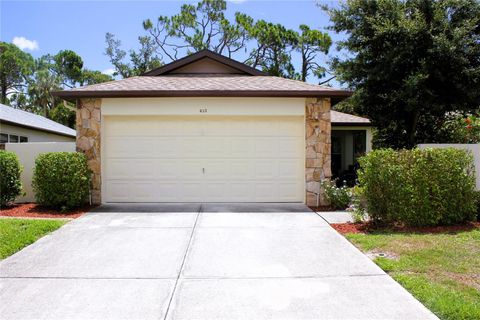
(318, 148)
(88, 141)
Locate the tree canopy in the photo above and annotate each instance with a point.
(411, 63)
(27, 83)
(268, 46)
(15, 67)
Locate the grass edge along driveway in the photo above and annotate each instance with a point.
(440, 270)
(15, 234)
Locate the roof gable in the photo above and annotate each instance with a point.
(205, 62)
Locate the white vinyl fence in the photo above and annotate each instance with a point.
(27, 153)
(474, 148)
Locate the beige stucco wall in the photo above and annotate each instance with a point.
(27, 153)
(34, 135)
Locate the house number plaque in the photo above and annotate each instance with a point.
(203, 110)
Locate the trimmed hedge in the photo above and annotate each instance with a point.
(61, 179)
(419, 187)
(10, 183)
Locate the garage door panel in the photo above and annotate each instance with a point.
(266, 169)
(191, 147)
(241, 169)
(191, 191)
(117, 169)
(167, 169)
(242, 147)
(167, 191)
(216, 191)
(290, 148)
(242, 191)
(217, 169)
(266, 147)
(191, 169)
(191, 159)
(265, 191)
(289, 191)
(118, 191)
(215, 147)
(290, 168)
(240, 128)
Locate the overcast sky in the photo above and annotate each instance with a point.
(41, 27)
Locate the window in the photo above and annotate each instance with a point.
(13, 138)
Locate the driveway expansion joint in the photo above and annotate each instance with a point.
(183, 262)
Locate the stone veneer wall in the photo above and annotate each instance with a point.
(318, 148)
(89, 120)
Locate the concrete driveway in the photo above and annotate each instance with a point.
(199, 261)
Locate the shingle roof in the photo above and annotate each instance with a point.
(340, 118)
(202, 85)
(27, 119)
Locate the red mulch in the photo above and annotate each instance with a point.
(365, 227)
(32, 210)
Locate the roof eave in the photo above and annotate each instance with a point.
(37, 128)
(73, 95)
(351, 124)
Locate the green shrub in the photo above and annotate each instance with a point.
(358, 205)
(61, 179)
(339, 198)
(10, 184)
(419, 187)
(478, 205)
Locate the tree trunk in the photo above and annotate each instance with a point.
(412, 129)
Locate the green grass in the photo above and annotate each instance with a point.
(16, 234)
(440, 270)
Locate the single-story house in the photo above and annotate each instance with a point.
(18, 126)
(206, 128)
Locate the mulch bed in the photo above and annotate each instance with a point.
(33, 210)
(366, 227)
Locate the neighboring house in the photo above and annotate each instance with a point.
(18, 126)
(351, 138)
(205, 128)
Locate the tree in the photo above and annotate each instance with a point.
(198, 27)
(205, 26)
(310, 43)
(274, 44)
(142, 61)
(411, 63)
(15, 67)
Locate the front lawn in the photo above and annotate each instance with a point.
(16, 234)
(441, 270)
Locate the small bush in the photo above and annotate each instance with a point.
(419, 187)
(358, 206)
(61, 179)
(10, 184)
(339, 197)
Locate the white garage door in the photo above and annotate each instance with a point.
(204, 159)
